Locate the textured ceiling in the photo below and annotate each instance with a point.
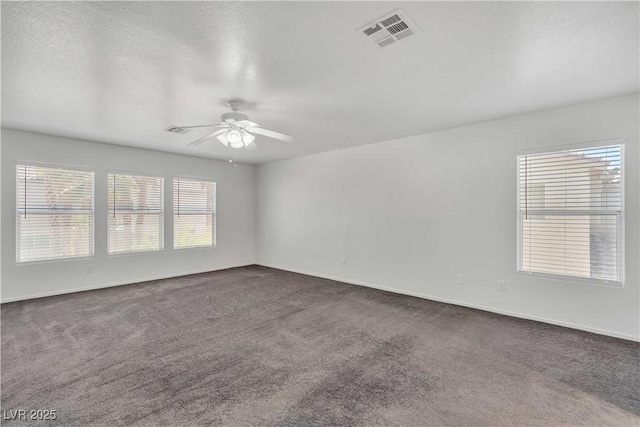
(120, 72)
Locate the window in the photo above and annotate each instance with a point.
(135, 213)
(571, 213)
(54, 213)
(194, 213)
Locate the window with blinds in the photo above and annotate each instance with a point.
(135, 212)
(194, 213)
(571, 214)
(54, 213)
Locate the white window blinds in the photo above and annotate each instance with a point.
(135, 213)
(194, 213)
(54, 215)
(570, 213)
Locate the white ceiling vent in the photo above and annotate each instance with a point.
(389, 28)
(176, 129)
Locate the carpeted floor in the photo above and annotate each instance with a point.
(257, 346)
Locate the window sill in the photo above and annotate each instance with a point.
(54, 260)
(117, 254)
(193, 247)
(573, 279)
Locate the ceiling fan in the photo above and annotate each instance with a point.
(235, 130)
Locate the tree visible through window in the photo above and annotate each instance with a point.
(54, 213)
(194, 210)
(135, 211)
(570, 213)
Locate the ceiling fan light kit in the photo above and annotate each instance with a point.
(235, 130)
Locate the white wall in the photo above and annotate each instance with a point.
(235, 217)
(409, 215)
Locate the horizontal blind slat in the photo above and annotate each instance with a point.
(194, 205)
(54, 213)
(135, 213)
(570, 203)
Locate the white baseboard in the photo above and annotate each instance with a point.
(113, 284)
(463, 304)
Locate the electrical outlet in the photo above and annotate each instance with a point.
(502, 286)
(90, 268)
(460, 279)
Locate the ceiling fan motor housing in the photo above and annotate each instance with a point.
(233, 117)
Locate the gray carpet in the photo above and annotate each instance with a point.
(257, 346)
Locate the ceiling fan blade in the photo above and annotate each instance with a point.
(271, 134)
(201, 140)
(251, 147)
(202, 126)
(244, 123)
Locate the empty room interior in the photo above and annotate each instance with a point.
(320, 213)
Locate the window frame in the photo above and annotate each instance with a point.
(620, 261)
(214, 213)
(161, 213)
(91, 212)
